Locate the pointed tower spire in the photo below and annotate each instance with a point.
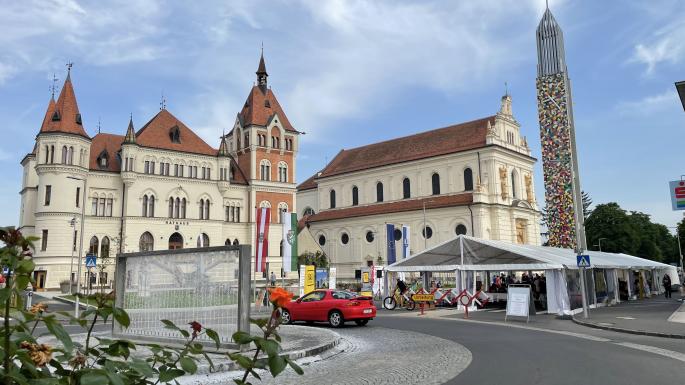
(550, 41)
(130, 132)
(223, 147)
(261, 71)
(65, 116)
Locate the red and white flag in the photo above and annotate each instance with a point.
(262, 241)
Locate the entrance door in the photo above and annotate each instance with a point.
(175, 241)
(39, 277)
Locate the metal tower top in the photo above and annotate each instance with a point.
(550, 41)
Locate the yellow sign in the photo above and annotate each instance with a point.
(365, 277)
(309, 279)
(423, 297)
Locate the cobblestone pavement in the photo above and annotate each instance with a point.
(371, 355)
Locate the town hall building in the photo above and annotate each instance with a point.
(157, 187)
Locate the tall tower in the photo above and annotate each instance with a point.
(557, 133)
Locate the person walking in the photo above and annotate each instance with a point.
(667, 285)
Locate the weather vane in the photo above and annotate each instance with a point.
(69, 65)
(98, 124)
(162, 103)
(54, 85)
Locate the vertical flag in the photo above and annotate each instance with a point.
(289, 242)
(391, 243)
(262, 241)
(405, 241)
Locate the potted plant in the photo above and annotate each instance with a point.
(64, 286)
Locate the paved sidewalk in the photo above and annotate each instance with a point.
(647, 317)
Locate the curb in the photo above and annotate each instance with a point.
(629, 331)
(70, 302)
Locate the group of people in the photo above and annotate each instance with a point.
(537, 282)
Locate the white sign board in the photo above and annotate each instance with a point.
(302, 274)
(331, 277)
(677, 188)
(518, 301)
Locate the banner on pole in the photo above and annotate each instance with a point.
(309, 278)
(289, 242)
(391, 243)
(262, 241)
(677, 188)
(405, 241)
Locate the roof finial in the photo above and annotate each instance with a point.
(547, 4)
(261, 71)
(162, 103)
(54, 85)
(506, 89)
(69, 65)
(98, 124)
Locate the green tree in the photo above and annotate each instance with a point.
(611, 222)
(587, 202)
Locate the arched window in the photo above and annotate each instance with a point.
(203, 240)
(282, 172)
(332, 196)
(435, 181)
(468, 179)
(265, 170)
(406, 188)
(228, 242)
(151, 208)
(64, 154)
(308, 211)
(175, 241)
(207, 209)
(145, 203)
(52, 154)
(322, 240)
(282, 209)
(379, 192)
(94, 246)
(147, 242)
(355, 196)
(427, 232)
(70, 155)
(202, 208)
(460, 229)
(513, 185)
(171, 207)
(235, 242)
(105, 247)
(183, 208)
(47, 154)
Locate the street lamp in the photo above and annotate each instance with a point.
(600, 244)
(680, 248)
(72, 223)
(80, 251)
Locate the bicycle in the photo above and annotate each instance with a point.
(390, 302)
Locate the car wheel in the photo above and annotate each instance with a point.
(286, 317)
(335, 319)
(361, 322)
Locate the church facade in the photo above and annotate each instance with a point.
(474, 178)
(158, 187)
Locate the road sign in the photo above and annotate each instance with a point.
(677, 188)
(583, 260)
(91, 260)
(423, 297)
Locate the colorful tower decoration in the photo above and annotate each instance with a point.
(559, 156)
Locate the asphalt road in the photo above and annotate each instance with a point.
(512, 356)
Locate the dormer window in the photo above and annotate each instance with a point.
(55, 116)
(78, 119)
(103, 159)
(175, 134)
(267, 104)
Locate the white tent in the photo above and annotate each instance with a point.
(469, 254)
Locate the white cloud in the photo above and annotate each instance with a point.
(6, 71)
(650, 104)
(665, 45)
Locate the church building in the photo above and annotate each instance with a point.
(157, 187)
(473, 178)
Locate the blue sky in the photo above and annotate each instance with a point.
(350, 73)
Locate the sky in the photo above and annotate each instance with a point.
(349, 73)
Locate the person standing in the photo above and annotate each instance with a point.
(273, 279)
(667, 285)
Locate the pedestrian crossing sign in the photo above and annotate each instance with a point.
(91, 260)
(583, 260)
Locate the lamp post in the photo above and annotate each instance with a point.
(80, 251)
(72, 223)
(680, 248)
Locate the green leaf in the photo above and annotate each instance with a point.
(241, 337)
(270, 347)
(276, 365)
(142, 367)
(58, 331)
(25, 266)
(214, 336)
(241, 360)
(184, 333)
(295, 366)
(22, 282)
(169, 375)
(261, 322)
(114, 379)
(93, 378)
(170, 325)
(188, 365)
(121, 317)
(211, 364)
(5, 294)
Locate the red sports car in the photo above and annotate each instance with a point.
(334, 306)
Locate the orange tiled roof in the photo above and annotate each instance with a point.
(105, 142)
(257, 111)
(309, 184)
(432, 202)
(442, 141)
(155, 134)
(68, 118)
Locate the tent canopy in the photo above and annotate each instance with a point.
(469, 253)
